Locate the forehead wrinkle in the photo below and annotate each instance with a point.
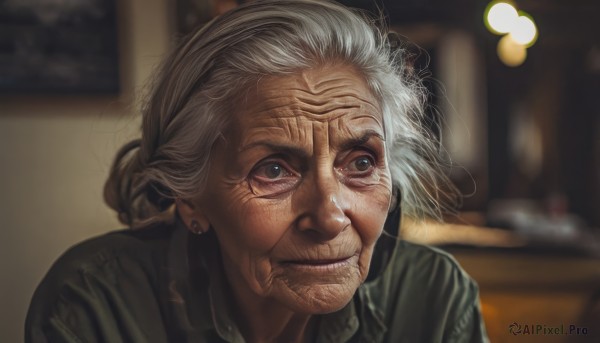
(342, 96)
(255, 134)
(307, 92)
(356, 131)
(319, 96)
(292, 126)
(377, 119)
(343, 83)
(326, 112)
(313, 107)
(333, 84)
(345, 90)
(318, 144)
(275, 130)
(315, 79)
(336, 88)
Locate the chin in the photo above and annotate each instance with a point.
(320, 298)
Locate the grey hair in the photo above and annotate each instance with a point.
(208, 73)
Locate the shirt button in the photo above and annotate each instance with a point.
(229, 328)
(351, 321)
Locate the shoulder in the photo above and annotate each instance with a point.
(130, 248)
(423, 262)
(415, 268)
(424, 294)
(113, 271)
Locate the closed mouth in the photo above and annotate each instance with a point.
(326, 262)
(318, 262)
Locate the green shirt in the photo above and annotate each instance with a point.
(154, 285)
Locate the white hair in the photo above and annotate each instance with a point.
(206, 75)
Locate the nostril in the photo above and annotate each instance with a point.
(323, 210)
(334, 219)
(326, 223)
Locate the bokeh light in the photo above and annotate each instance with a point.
(500, 17)
(510, 52)
(524, 30)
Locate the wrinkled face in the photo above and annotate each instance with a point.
(299, 189)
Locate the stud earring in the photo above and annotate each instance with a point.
(196, 227)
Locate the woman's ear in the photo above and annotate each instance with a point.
(193, 217)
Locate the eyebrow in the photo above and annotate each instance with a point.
(366, 136)
(279, 148)
(296, 151)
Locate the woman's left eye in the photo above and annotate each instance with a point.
(361, 165)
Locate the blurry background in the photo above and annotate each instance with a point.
(56, 146)
(522, 126)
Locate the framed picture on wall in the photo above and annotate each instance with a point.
(58, 46)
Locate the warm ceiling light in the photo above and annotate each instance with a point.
(510, 52)
(500, 17)
(524, 31)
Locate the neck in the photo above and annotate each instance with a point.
(275, 326)
(265, 320)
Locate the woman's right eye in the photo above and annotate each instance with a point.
(272, 178)
(273, 170)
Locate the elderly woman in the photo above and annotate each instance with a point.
(276, 142)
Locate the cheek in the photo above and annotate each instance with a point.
(369, 211)
(264, 223)
(247, 225)
(368, 216)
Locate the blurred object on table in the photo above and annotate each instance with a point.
(544, 224)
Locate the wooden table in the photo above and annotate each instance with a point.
(533, 287)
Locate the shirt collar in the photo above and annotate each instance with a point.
(188, 285)
(220, 307)
(370, 315)
(339, 326)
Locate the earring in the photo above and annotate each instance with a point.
(196, 227)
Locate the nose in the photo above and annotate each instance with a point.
(324, 207)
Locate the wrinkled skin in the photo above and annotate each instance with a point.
(298, 193)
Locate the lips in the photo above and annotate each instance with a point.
(319, 262)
